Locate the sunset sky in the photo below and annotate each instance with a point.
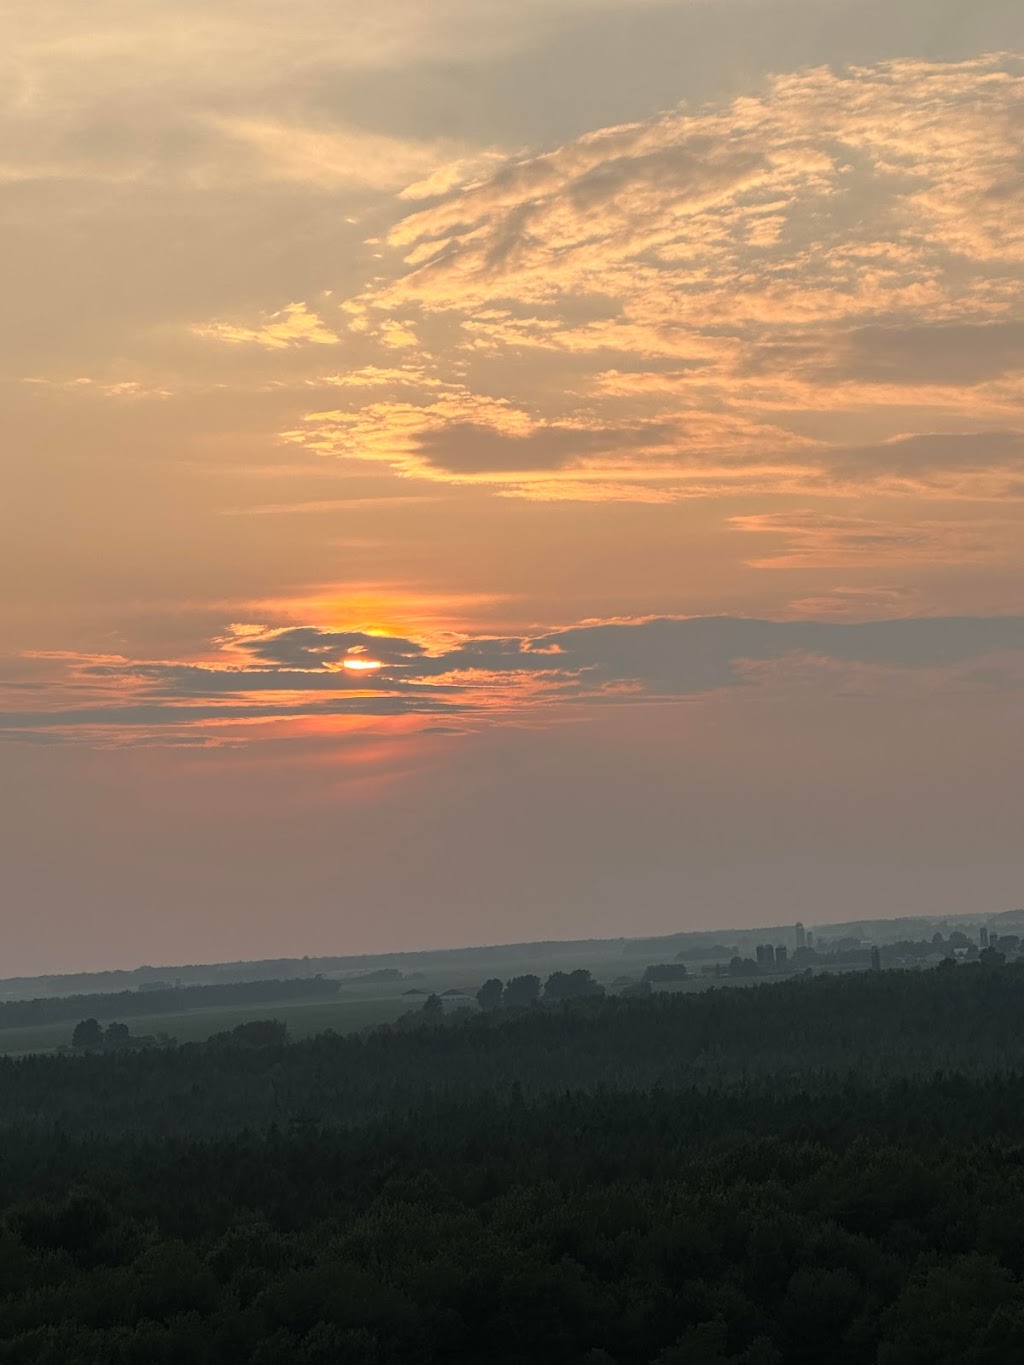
(479, 470)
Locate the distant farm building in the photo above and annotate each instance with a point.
(458, 1000)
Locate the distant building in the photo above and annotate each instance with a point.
(769, 955)
(458, 1000)
(760, 954)
(876, 960)
(810, 938)
(800, 934)
(984, 936)
(781, 955)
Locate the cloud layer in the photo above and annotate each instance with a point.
(303, 674)
(789, 291)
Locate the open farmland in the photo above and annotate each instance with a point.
(361, 1002)
(346, 1015)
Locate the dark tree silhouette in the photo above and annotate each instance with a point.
(432, 1007)
(571, 986)
(255, 1033)
(490, 993)
(666, 971)
(522, 991)
(87, 1034)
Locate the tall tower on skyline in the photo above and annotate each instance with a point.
(800, 935)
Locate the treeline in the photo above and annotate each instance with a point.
(129, 1004)
(906, 951)
(285, 968)
(804, 1031)
(520, 992)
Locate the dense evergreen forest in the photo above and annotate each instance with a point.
(827, 1169)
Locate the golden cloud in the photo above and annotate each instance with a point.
(837, 260)
(293, 325)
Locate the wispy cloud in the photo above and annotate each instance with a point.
(819, 539)
(333, 158)
(679, 296)
(293, 325)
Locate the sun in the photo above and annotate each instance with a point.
(359, 665)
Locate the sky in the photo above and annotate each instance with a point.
(499, 470)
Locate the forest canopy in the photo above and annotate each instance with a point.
(820, 1169)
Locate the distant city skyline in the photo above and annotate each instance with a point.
(483, 473)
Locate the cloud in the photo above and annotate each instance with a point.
(236, 93)
(113, 718)
(297, 675)
(939, 451)
(292, 325)
(470, 447)
(855, 603)
(931, 353)
(453, 434)
(332, 157)
(966, 466)
(841, 246)
(717, 300)
(238, 43)
(308, 647)
(818, 539)
(679, 657)
(326, 505)
(863, 216)
(117, 388)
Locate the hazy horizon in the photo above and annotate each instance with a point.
(492, 473)
(820, 927)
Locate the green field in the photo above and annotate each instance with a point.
(345, 1015)
(358, 1004)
